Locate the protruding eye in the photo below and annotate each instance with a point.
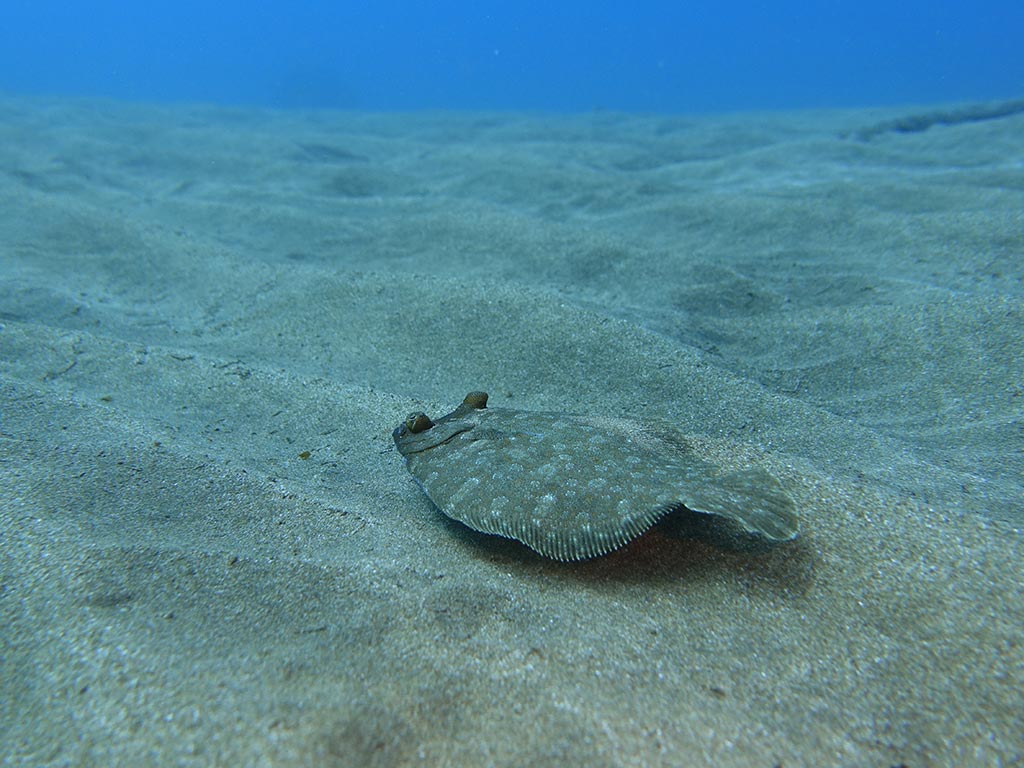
(418, 422)
(476, 400)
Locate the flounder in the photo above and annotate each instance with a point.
(575, 487)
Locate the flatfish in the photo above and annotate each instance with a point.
(573, 487)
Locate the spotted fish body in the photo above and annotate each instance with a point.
(575, 487)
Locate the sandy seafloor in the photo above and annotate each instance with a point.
(194, 297)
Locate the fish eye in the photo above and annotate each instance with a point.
(418, 422)
(476, 400)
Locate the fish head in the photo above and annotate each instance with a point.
(420, 433)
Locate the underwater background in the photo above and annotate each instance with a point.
(772, 253)
(530, 55)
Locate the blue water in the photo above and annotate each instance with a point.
(556, 55)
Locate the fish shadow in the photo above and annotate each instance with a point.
(787, 570)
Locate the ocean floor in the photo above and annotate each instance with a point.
(211, 319)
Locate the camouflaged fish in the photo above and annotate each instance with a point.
(576, 487)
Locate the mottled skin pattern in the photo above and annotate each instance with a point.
(575, 487)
